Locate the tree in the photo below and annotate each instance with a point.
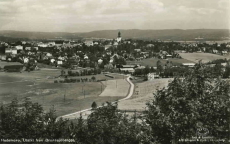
(217, 70)
(94, 105)
(62, 72)
(28, 120)
(227, 71)
(146, 70)
(106, 125)
(189, 104)
(159, 66)
(93, 78)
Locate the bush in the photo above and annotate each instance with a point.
(13, 68)
(56, 81)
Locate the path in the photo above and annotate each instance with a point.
(87, 112)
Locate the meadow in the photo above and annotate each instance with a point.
(143, 93)
(205, 57)
(152, 62)
(39, 87)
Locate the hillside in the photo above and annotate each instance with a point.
(169, 34)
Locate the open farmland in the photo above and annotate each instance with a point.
(143, 93)
(4, 63)
(205, 57)
(153, 61)
(39, 86)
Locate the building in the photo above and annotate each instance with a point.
(130, 70)
(89, 43)
(3, 57)
(137, 50)
(119, 37)
(188, 64)
(100, 61)
(11, 51)
(19, 47)
(152, 76)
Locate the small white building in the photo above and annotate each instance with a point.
(52, 60)
(11, 51)
(25, 60)
(152, 76)
(100, 61)
(28, 48)
(19, 47)
(48, 54)
(188, 64)
(131, 70)
(59, 62)
(86, 57)
(89, 43)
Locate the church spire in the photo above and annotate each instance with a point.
(119, 34)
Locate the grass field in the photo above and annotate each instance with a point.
(205, 57)
(143, 93)
(119, 87)
(153, 61)
(39, 86)
(4, 63)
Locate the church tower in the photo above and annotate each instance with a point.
(119, 34)
(119, 37)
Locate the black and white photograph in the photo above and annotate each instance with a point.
(115, 71)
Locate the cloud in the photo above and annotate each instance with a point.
(202, 11)
(74, 15)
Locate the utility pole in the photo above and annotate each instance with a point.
(228, 111)
(84, 94)
(101, 88)
(64, 95)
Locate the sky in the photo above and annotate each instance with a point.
(91, 15)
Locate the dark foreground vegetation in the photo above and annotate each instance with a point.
(197, 105)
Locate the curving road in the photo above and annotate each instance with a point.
(86, 112)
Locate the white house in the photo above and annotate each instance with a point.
(115, 43)
(28, 48)
(152, 76)
(137, 50)
(59, 62)
(224, 52)
(86, 57)
(188, 64)
(100, 61)
(215, 51)
(51, 44)
(52, 60)
(89, 43)
(25, 60)
(131, 70)
(19, 47)
(11, 51)
(107, 46)
(3, 57)
(48, 54)
(42, 45)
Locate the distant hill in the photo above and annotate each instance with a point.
(169, 34)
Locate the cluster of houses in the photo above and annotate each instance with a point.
(60, 52)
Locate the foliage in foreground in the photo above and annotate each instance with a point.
(104, 126)
(189, 104)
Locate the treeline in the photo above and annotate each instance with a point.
(84, 72)
(72, 80)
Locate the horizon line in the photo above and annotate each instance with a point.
(117, 30)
